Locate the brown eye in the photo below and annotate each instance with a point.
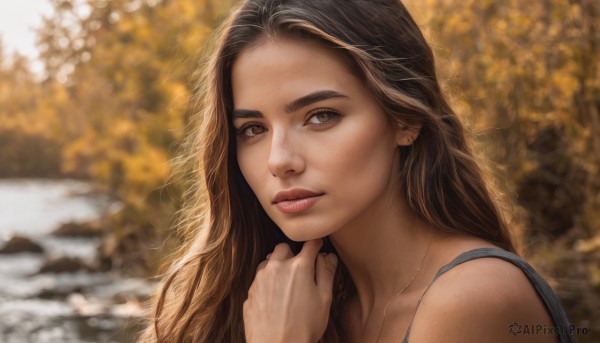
(253, 130)
(323, 117)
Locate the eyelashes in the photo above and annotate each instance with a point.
(243, 131)
(333, 115)
(249, 130)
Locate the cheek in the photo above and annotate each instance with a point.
(247, 167)
(363, 159)
(252, 166)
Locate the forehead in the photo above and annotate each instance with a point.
(290, 41)
(288, 65)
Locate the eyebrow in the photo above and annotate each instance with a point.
(292, 106)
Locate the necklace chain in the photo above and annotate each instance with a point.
(403, 289)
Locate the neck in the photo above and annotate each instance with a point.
(382, 250)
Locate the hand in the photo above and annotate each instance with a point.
(289, 299)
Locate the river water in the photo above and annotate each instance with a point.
(82, 306)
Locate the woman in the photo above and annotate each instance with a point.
(323, 129)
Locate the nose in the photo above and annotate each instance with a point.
(285, 158)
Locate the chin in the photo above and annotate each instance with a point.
(301, 234)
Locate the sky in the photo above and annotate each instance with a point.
(17, 20)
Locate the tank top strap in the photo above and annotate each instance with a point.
(551, 300)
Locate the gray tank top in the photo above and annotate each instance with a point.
(550, 299)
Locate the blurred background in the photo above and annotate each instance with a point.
(95, 96)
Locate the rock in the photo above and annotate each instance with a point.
(19, 244)
(58, 292)
(63, 265)
(88, 306)
(79, 229)
(131, 308)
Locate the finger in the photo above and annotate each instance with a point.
(261, 265)
(281, 252)
(310, 249)
(325, 273)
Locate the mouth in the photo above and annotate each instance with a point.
(295, 206)
(295, 194)
(296, 200)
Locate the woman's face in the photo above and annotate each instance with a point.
(304, 121)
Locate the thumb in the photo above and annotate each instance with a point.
(325, 272)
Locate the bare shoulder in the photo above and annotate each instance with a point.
(477, 301)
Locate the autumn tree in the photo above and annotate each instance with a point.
(524, 75)
(124, 67)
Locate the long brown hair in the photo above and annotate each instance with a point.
(226, 230)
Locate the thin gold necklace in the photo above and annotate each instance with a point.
(403, 289)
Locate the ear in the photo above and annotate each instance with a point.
(406, 135)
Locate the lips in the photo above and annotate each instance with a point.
(294, 194)
(296, 201)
